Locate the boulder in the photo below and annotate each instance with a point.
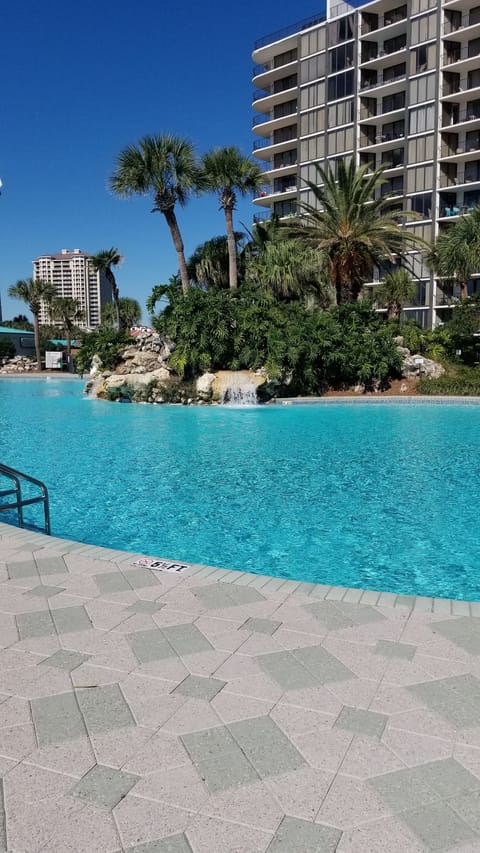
(204, 386)
(146, 360)
(419, 366)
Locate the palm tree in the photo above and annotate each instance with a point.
(288, 270)
(166, 167)
(351, 227)
(227, 172)
(129, 310)
(396, 289)
(34, 292)
(104, 260)
(456, 254)
(68, 312)
(209, 264)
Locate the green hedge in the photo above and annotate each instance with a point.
(457, 386)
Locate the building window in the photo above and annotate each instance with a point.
(394, 72)
(423, 89)
(341, 30)
(341, 113)
(312, 96)
(422, 119)
(312, 149)
(311, 69)
(340, 86)
(393, 102)
(313, 122)
(394, 158)
(422, 204)
(284, 208)
(424, 29)
(313, 42)
(341, 57)
(394, 44)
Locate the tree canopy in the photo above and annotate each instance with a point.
(351, 226)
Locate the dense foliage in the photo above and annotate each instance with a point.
(7, 348)
(304, 348)
(104, 342)
(466, 383)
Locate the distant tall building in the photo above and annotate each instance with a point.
(388, 83)
(72, 274)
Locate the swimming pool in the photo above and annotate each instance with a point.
(380, 497)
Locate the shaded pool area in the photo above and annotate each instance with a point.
(375, 497)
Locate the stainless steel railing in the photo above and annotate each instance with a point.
(19, 502)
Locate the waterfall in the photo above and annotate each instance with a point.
(237, 388)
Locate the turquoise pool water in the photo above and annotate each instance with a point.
(379, 497)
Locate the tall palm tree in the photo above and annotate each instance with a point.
(68, 312)
(34, 292)
(396, 289)
(104, 260)
(165, 166)
(351, 227)
(227, 172)
(456, 254)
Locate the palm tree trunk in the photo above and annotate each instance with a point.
(232, 250)
(393, 311)
(172, 223)
(463, 290)
(113, 285)
(36, 335)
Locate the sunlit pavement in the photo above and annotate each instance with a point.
(213, 711)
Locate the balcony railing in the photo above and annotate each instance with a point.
(260, 69)
(264, 142)
(465, 115)
(451, 56)
(305, 24)
(382, 81)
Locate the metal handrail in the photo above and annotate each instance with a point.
(20, 502)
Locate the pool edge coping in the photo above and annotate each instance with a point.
(267, 583)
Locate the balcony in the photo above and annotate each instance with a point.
(464, 117)
(463, 59)
(394, 82)
(383, 58)
(462, 94)
(265, 125)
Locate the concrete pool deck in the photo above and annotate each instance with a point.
(219, 712)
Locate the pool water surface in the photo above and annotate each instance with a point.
(380, 497)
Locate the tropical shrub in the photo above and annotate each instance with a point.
(248, 329)
(463, 332)
(104, 342)
(7, 348)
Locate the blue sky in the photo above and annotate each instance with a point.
(79, 82)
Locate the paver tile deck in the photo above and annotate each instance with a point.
(215, 710)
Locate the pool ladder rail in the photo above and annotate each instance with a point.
(20, 502)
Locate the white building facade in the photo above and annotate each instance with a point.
(387, 82)
(72, 275)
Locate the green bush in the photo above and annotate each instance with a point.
(248, 329)
(105, 343)
(7, 348)
(457, 386)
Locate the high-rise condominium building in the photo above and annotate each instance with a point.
(383, 82)
(72, 274)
